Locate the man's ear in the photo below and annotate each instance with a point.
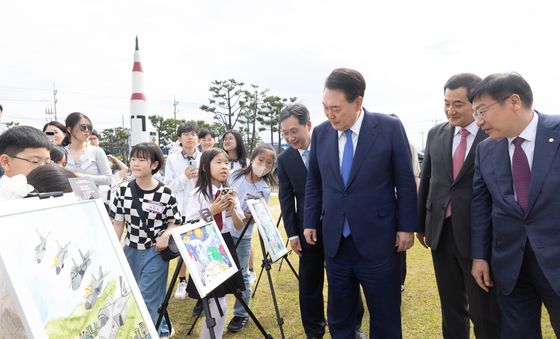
(5, 162)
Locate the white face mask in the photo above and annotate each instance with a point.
(259, 171)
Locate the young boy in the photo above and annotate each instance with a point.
(181, 173)
(23, 148)
(161, 215)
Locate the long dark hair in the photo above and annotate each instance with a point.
(71, 121)
(269, 178)
(239, 148)
(204, 181)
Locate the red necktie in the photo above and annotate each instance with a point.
(521, 173)
(458, 160)
(218, 216)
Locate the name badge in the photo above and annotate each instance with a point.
(155, 207)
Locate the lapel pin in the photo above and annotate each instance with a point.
(551, 140)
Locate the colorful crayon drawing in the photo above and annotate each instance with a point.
(206, 255)
(267, 228)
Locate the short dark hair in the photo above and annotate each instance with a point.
(50, 178)
(465, 80)
(150, 152)
(187, 127)
(16, 139)
(204, 132)
(56, 124)
(58, 153)
(1, 108)
(349, 81)
(298, 111)
(500, 86)
(94, 132)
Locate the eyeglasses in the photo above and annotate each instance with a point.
(479, 114)
(294, 131)
(85, 127)
(33, 163)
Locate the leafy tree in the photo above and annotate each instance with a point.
(251, 110)
(166, 128)
(226, 102)
(268, 118)
(12, 124)
(115, 141)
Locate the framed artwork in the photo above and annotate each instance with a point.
(64, 273)
(205, 253)
(267, 228)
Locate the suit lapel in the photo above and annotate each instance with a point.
(546, 147)
(332, 143)
(502, 174)
(469, 160)
(449, 132)
(296, 157)
(368, 134)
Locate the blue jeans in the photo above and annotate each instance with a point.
(150, 272)
(243, 252)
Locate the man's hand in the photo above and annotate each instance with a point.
(310, 235)
(296, 246)
(404, 241)
(421, 239)
(481, 273)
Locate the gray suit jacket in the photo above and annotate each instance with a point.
(437, 189)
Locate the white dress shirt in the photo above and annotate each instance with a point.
(473, 130)
(528, 146)
(176, 179)
(355, 134)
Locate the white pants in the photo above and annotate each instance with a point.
(220, 320)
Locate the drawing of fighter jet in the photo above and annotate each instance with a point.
(41, 247)
(78, 271)
(113, 315)
(94, 289)
(60, 257)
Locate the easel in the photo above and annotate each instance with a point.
(270, 261)
(211, 323)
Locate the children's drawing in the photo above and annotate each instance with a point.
(58, 262)
(97, 297)
(267, 228)
(41, 247)
(206, 255)
(78, 271)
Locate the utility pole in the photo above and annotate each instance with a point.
(175, 103)
(48, 114)
(55, 100)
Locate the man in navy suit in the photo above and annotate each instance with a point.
(292, 174)
(515, 214)
(360, 180)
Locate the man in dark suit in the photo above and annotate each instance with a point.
(444, 206)
(360, 181)
(516, 204)
(292, 173)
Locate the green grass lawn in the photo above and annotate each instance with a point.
(421, 316)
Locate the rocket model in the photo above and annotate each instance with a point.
(141, 129)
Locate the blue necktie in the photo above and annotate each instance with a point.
(347, 157)
(305, 158)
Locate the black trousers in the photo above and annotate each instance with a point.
(522, 307)
(311, 280)
(461, 298)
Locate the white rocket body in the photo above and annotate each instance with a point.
(141, 129)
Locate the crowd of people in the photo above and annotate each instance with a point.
(352, 197)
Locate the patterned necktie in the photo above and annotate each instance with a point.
(347, 158)
(218, 216)
(305, 158)
(458, 160)
(521, 173)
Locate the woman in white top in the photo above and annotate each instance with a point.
(84, 159)
(232, 142)
(212, 176)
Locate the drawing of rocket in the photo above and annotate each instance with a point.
(141, 129)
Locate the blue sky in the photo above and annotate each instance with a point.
(406, 50)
